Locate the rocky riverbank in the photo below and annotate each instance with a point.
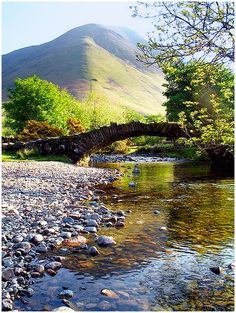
(135, 158)
(48, 210)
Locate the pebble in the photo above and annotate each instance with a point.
(66, 294)
(53, 265)
(163, 228)
(104, 305)
(93, 251)
(7, 305)
(157, 212)
(109, 293)
(42, 248)
(65, 234)
(38, 238)
(8, 274)
(132, 184)
(105, 241)
(217, 270)
(91, 229)
(63, 309)
(51, 272)
(46, 212)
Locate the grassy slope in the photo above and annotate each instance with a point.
(122, 83)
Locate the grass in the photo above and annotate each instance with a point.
(13, 157)
(123, 84)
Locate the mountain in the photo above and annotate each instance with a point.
(91, 57)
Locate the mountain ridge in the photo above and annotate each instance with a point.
(68, 62)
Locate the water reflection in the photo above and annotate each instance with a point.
(160, 270)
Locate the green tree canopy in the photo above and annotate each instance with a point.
(199, 30)
(197, 83)
(35, 99)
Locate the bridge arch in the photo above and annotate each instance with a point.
(78, 147)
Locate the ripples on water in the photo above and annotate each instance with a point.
(160, 270)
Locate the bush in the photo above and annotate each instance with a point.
(25, 153)
(74, 126)
(34, 130)
(119, 147)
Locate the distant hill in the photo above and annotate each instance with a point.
(91, 57)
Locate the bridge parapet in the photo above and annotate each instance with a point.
(77, 147)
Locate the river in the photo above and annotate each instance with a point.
(161, 261)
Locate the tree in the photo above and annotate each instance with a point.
(197, 83)
(188, 30)
(35, 99)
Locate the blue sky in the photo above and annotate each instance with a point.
(31, 23)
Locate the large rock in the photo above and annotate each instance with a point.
(8, 274)
(105, 241)
(74, 242)
(53, 265)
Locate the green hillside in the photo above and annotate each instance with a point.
(90, 57)
(123, 83)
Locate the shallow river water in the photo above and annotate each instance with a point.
(154, 269)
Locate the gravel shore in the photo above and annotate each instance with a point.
(48, 207)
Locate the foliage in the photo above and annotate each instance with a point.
(206, 130)
(24, 154)
(119, 147)
(35, 129)
(197, 30)
(35, 99)
(198, 83)
(74, 126)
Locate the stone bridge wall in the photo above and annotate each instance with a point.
(77, 147)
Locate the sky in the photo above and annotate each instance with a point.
(30, 23)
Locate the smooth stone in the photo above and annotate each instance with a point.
(157, 212)
(93, 251)
(123, 294)
(104, 305)
(92, 223)
(90, 229)
(63, 309)
(53, 265)
(217, 270)
(65, 234)
(105, 241)
(95, 216)
(90, 306)
(120, 224)
(35, 274)
(163, 228)
(42, 248)
(75, 242)
(132, 184)
(39, 268)
(68, 220)
(7, 262)
(109, 293)
(51, 272)
(18, 239)
(38, 238)
(66, 294)
(7, 305)
(23, 245)
(8, 274)
(29, 292)
(127, 304)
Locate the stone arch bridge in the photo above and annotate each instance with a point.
(78, 147)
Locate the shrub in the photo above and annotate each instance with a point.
(25, 153)
(35, 129)
(120, 147)
(74, 126)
